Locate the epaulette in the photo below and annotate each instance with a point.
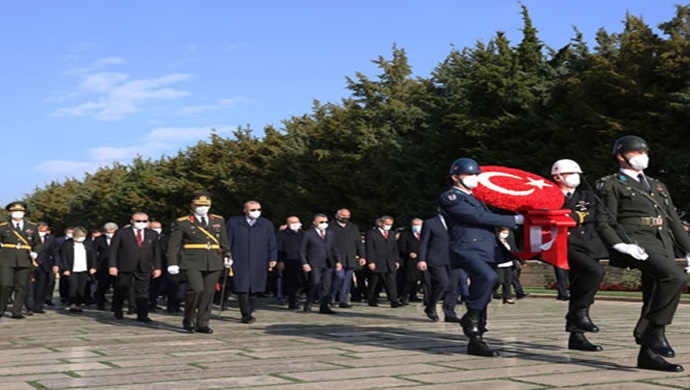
(216, 216)
(186, 217)
(4, 223)
(605, 181)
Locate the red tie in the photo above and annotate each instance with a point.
(417, 235)
(323, 234)
(385, 234)
(139, 239)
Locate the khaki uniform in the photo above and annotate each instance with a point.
(15, 262)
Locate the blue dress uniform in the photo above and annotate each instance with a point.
(15, 259)
(473, 248)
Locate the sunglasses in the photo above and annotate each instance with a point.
(254, 209)
(141, 220)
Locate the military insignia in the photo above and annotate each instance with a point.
(452, 197)
(183, 218)
(216, 226)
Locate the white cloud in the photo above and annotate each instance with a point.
(96, 65)
(118, 96)
(198, 109)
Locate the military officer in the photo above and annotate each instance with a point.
(638, 222)
(199, 247)
(584, 251)
(19, 246)
(473, 247)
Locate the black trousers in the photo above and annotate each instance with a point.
(505, 281)
(13, 279)
(293, 279)
(412, 277)
(561, 281)
(320, 279)
(41, 283)
(388, 279)
(517, 270)
(77, 287)
(360, 290)
(201, 286)
(105, 281)
(442, 283)
(175, 289)
(586, 275)
(139, 282)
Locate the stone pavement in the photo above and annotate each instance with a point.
(360, 348)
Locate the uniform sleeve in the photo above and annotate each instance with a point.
(680, 235)
(224, 243)
(607, 213)
(457, 207)
(174, 243)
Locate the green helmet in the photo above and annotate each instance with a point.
(629, 143)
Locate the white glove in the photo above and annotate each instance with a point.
(635, 251)
(0, 244)
(33, 255)
(519, 219)
(687, 260)
(173, 269)
(227, 262)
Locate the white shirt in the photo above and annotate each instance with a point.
(79, 258)
(632, 173)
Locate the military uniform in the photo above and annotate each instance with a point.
(199, 253)
(16, 260)
(649, 219)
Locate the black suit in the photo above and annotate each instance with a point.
(288, 242)
(102, 248)
(383, 253)
(135, 264)
(322, 256)
(42, 273)
(408, 243)
(440, 278)
(77, 280)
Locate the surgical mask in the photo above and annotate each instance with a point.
(255, 214)
(159, 230)
(639, 162)
(68, 235)
(503, 236)
(387, 227)
(416, 229)
(343, 220)
(322, 226)
(42, 234)
(109, 235)
(572, 181)
(202, 210)
(471, 181)
(17, 214)
(140, 225)
(79, 239)
(295, 226)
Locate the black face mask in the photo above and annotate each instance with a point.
(344, 220)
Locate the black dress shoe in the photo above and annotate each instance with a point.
(395, 304)
(451, 319)
(373, 304)
(204, 329)
(579, 342)
(478, 347)
(18, 316)
(29, 313)
(520, 296)
(326, 310)
(345, 306)
(508, 301)
(579, 321)
(470, 323)
(431, 313)
(307, 309)
(40, 311)
(119, 315)
(654, 338)
(49, 303)
(188, 327)
(293, 306)
(563, 298)
(145, 320)
(249, 319)
(649, 360)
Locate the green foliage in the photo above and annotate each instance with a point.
(386, 148)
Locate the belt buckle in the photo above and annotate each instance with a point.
(19, 245)
(208, 246)
(658, 221)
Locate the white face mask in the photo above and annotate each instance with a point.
(416, 229)
(202, 210)
(139, 225)
(503, 236)
(109, 235)
(17, 215)
(387, 227)
(42, 234)
(471, 181)
(639, 162)
(159, 230)
(295, 226)
(79, 239)
(68, 235)
(322, 226)
(254, 214)
(572, 181)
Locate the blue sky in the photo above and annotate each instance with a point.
(86, 83)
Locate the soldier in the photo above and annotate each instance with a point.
(584, 251)
(198, 246)
(19, 246)
(472, 247)
(638, 222)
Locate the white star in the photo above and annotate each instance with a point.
(538, 183)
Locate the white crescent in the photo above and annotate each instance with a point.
(485, 180)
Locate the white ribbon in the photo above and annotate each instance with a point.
(535, 238)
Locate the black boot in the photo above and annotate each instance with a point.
(654, 338)
(649, 360)
(578, 320)
(579, 342)
(470, 324)
(478, 347)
